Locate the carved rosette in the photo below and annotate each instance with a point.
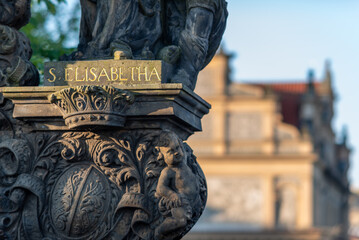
(93, 105)
(85, 186)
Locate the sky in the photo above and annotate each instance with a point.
(280, 40)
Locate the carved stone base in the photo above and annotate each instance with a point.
(139, 181)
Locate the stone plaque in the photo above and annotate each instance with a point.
(106, 72)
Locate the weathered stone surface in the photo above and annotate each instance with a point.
(133, 27)
(106, 72)
(15, 51)
(196, 28)
(15, 14)
(108, 184)
(185, 34)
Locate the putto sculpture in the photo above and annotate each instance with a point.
(178, 188)
(185, 34)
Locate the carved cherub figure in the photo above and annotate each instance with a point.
(178, 187)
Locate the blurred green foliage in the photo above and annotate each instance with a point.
(53, 30)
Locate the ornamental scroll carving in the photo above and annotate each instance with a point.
(15, 50)
(113, 185)
(6, 122)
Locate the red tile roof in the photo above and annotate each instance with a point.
(290, 88)
(290, 95)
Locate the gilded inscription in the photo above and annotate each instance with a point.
(77, 74)
(93, 74)
(51, 71)
(67, 79)
(113, 74)
(105, 72)
(154, 73)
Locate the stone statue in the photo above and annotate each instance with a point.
(132, 27)
(99, 162)
(15, 14)
(15, 49)
(185, 34)
(178, 188)
(196, 27)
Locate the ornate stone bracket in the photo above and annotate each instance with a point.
(93, 105)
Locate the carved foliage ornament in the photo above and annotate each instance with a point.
(7, 123)
(81, 185)
(93, 105)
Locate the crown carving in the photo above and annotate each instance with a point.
(93, 105)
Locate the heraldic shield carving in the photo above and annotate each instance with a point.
(111, 185)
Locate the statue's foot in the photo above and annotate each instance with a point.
(185, 78)
(119, 55)
(121, 49)
(170, 54)
(147, 54)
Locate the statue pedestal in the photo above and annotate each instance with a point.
(99, 162)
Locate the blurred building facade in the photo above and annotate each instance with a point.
(273, 166)
(354, 215)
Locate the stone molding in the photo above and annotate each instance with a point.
(170, 106)
(93, 105)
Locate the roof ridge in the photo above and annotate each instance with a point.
(281, 82)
